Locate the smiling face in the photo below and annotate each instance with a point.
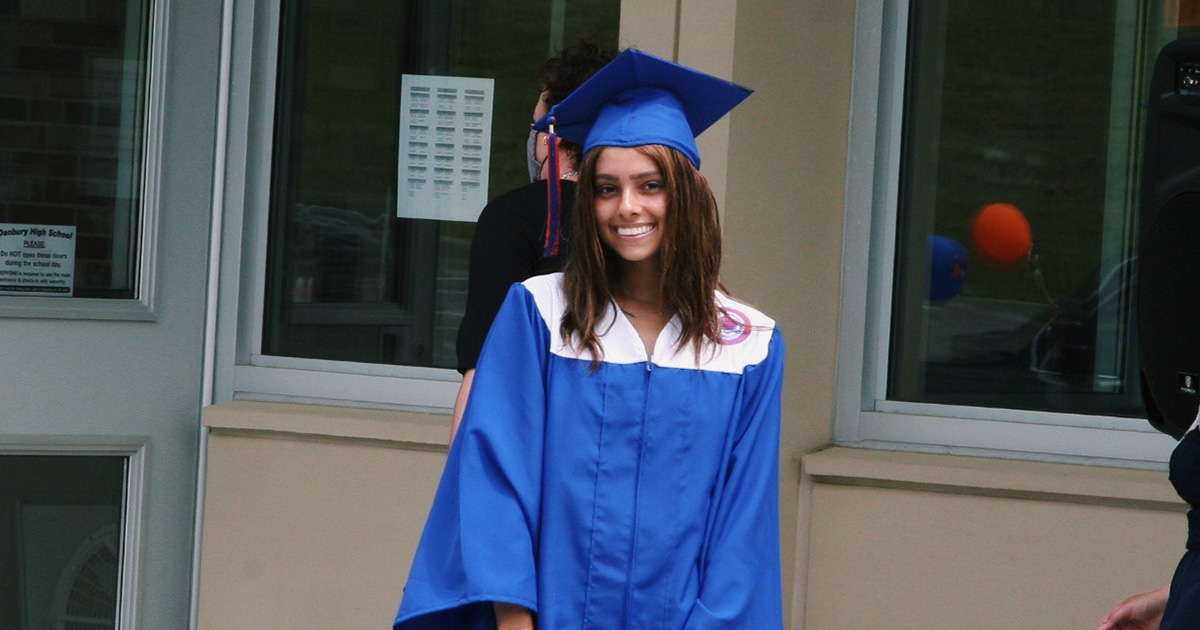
(630, 204)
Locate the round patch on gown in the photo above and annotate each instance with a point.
(735, 327)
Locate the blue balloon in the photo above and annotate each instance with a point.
(948, 265)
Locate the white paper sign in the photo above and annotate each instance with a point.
(37, 259)
(445, 147)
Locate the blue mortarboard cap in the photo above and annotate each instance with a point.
(641, 99)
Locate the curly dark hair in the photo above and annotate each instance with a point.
(567, 70)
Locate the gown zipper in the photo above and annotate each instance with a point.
(637, 487)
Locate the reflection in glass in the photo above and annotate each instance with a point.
(72, 88)
(60, 540)
(1017, 217)
(347, 279)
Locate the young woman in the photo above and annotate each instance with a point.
(617, 465)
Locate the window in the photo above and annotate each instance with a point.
(73, 79)
(344, 270)
(61, 540)
(361, 266)
(1004, 225)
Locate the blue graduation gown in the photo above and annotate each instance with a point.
(643, 495)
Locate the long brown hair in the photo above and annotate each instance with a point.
(691, 256)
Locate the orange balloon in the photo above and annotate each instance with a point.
(1003, 236)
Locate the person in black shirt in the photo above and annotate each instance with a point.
(511, 232)
(1175, 605)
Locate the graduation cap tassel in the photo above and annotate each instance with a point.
(553, 237)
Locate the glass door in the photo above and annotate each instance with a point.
(108, 113)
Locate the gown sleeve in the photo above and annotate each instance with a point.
(741, 583)
(480, 540)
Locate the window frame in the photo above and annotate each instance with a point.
(864, 417)
(251, 33)
(142, 307)
(238, 254)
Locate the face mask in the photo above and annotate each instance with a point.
(535, 167)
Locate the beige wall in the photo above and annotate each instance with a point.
(311, 515)
(909, 541)
(783, 218)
